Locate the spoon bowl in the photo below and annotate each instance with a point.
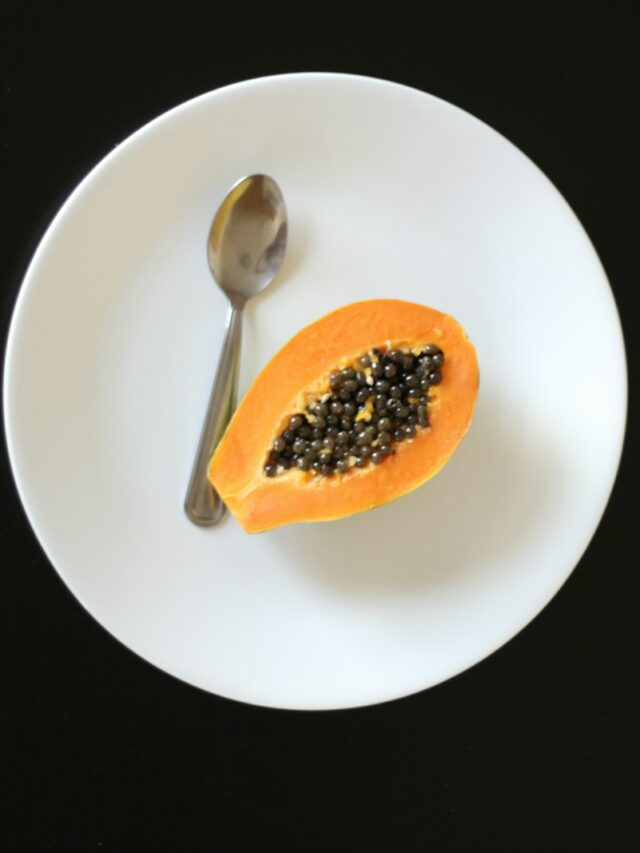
(248, 238)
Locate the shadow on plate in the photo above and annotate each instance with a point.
(490, 499)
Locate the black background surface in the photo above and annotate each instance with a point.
(534, 749)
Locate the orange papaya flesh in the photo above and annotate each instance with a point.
(300, 374)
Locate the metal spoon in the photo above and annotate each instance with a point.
(245, 248)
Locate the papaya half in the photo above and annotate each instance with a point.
(358, 408)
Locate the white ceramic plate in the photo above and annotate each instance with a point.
(113, 345)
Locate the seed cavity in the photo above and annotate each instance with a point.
(378, 402)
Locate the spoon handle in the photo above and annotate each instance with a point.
(203, 505)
